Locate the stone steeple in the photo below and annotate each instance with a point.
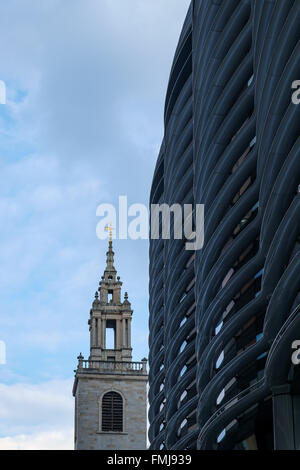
(109, 312)
(109, 388)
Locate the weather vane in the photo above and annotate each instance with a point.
(109, 228)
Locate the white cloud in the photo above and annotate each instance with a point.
(36, 415)
(55, 440)
(86, 82)
(42, 215)
(82, 65)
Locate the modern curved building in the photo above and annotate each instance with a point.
(225, 320)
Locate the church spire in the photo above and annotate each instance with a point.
(110, 389)
(110, 312)
(109, 254)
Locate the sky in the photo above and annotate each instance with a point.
(82, 125)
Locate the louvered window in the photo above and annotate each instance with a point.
(112, 412)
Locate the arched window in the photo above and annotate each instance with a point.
(112, 412)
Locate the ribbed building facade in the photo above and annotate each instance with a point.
(223, 319)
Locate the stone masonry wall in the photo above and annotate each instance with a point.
(87, 415)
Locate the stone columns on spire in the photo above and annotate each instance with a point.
(110, 313)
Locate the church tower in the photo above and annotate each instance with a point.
(109, 389)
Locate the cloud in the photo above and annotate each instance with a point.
(86, 82)
(55, 440)
(93, 73)
(36, 415)
(41, 217)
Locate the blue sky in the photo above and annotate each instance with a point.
(83, 122)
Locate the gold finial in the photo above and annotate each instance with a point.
(109, 228)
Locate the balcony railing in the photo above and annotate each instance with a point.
(115, 367)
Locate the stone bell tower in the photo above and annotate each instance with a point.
(109, 389)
